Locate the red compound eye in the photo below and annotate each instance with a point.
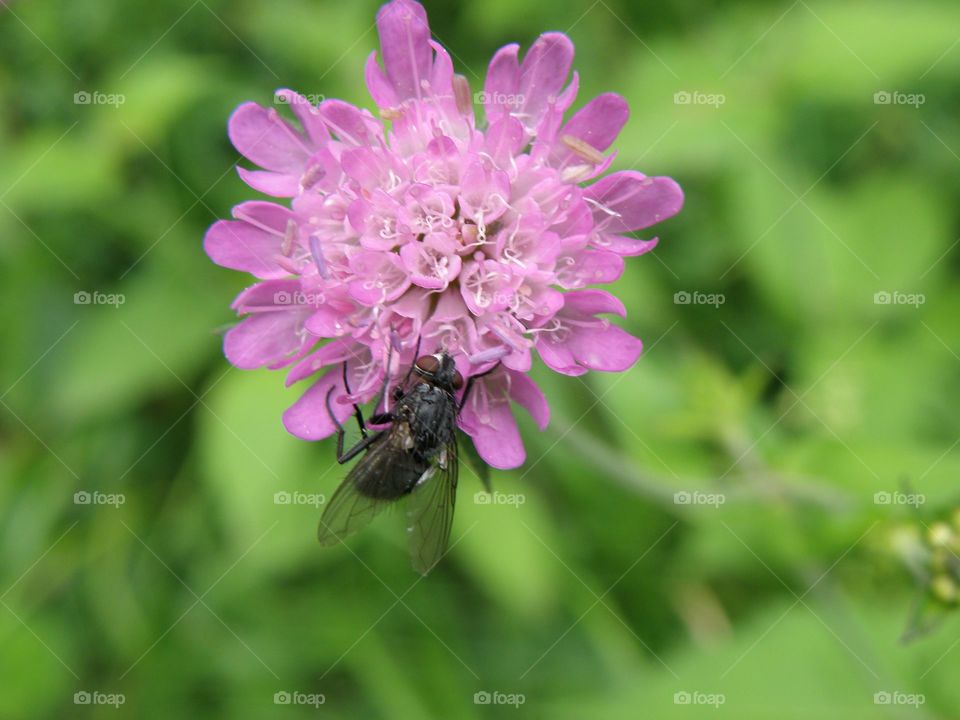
(457, 380)
(428, 364)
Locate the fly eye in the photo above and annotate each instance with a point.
(428, 364)
(457, 380)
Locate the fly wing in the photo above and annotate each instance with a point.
(347, 512)
(475, 462)
(430, 512)
(385, 473)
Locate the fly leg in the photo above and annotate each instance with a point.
(357, 412)
(398, 392)
(365, 441)
(383, 390)
(416, 355)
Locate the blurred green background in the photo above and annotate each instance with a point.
(603, 594)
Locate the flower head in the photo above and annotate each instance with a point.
(425, 225)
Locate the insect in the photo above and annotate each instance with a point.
(415, 457)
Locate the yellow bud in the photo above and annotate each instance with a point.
(940, 535)
(944, 589)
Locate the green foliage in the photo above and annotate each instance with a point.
(778, 413)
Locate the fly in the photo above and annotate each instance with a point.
(415, 456)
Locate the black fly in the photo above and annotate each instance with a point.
(415, 456)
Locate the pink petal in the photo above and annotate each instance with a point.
(351, 125)
(253, 241)
(367, 167)
(502, 82)
(441, 77)
(379, 278)
(271, 183)
(548, 128)
(335, 351)
(524, 391)
(263, 339)
(405, 45)
(268, 296)
(450, 306)
(308, 417)
(519, 359)
(565, 99)
(307, 114)
(557, 355)
(543, 74)
(321, 173)
(263, 137)
(605, 347)
(417, 261)
(592, 267)
(378, 86)
(495, 435)
(546, 301)
(592, 302)
(624, 245)
(239, 246)
(504, 139)
(414, 304)
(630, 201)
(327, 321)
(597, 123)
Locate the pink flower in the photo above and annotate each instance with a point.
(478, 238)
